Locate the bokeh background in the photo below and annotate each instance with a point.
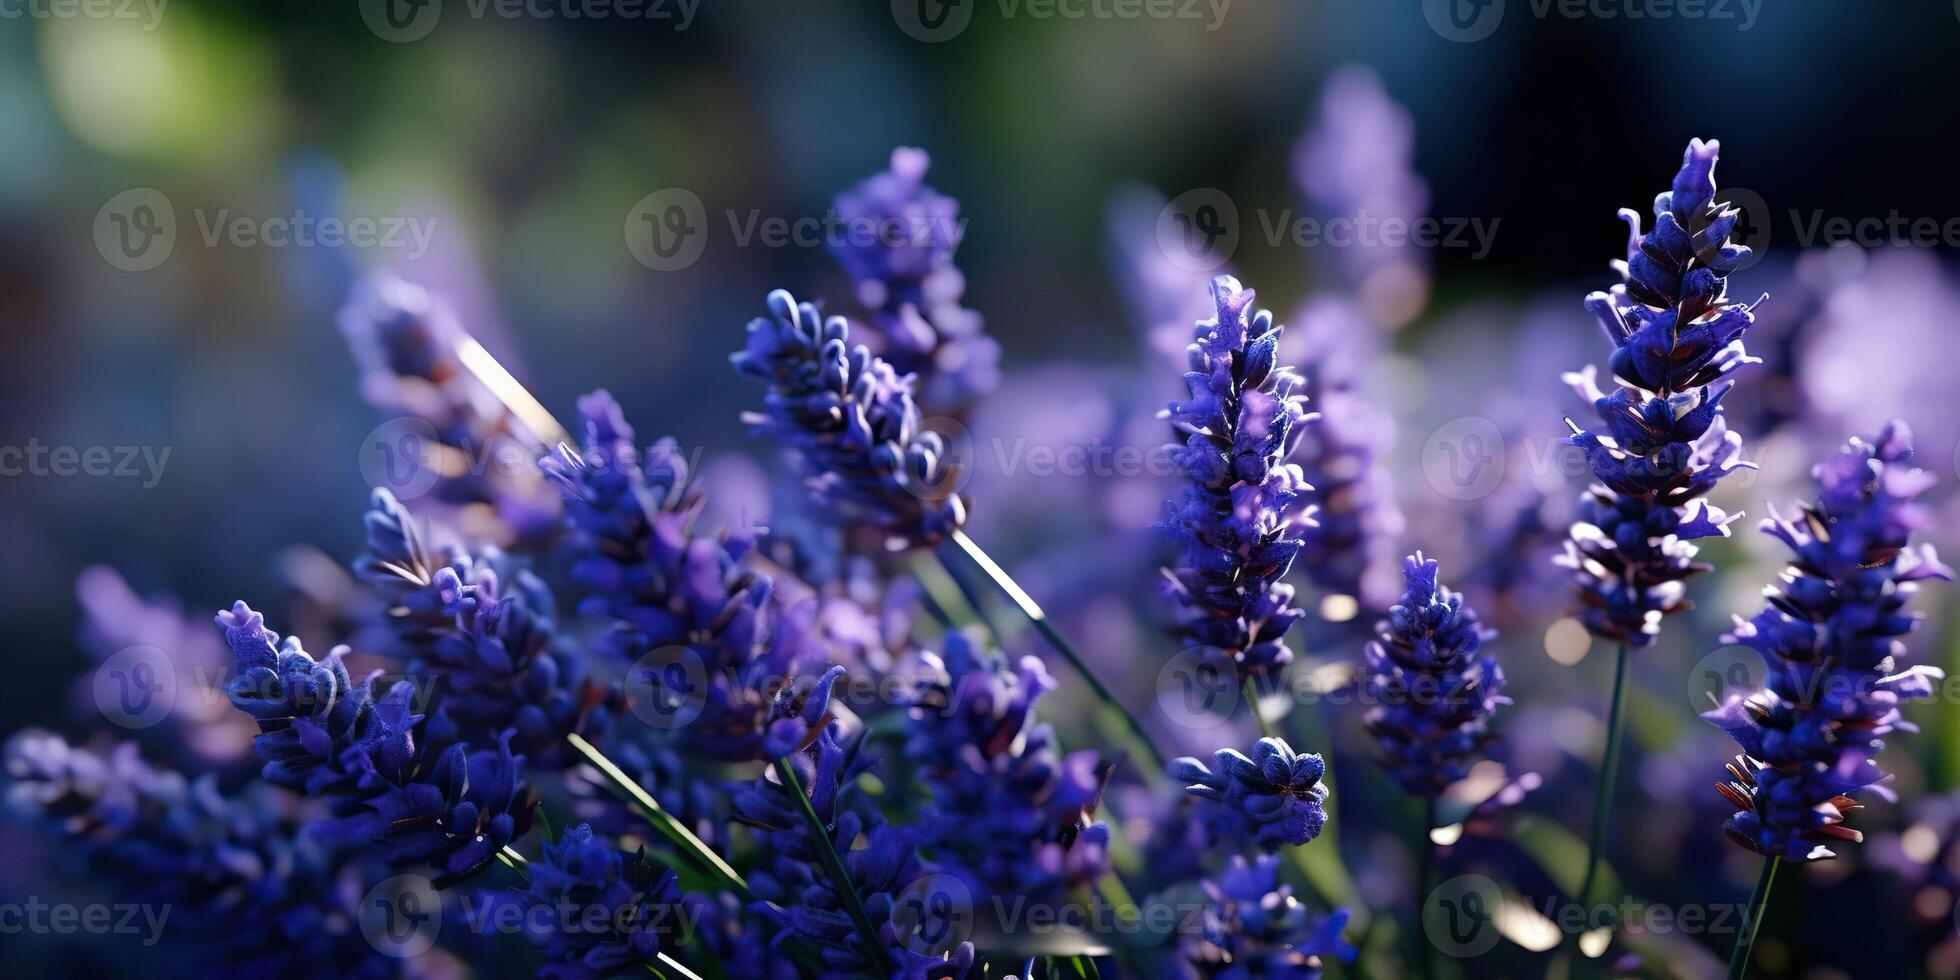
(523, 145)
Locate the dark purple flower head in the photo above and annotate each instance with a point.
(326, 736)
(897, 243)
(795, 893)
(1256, 928)
(408, 343)
(605, 912)
(1240, 521)
(1676, 338)
(1431, 686)
(1010, 814)
(247, 896)
(1831, 638)
(490, 647)
(1275, 797)
(851, 421)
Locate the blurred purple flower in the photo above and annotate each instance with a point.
(604, 912)
(1256, 928)
(898, 244)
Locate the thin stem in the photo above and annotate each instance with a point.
(1032, 610)
(1609, 767)
(840, 879)
(1427, 848)
(1753, 915)
(650, 809)
(1251, 688)
(673, 965)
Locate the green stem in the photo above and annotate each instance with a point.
(637, 796)
(1251, 688)
(1427, 847)
(1753, 917)
(1609, 767)
(1032, 610)
(840, 878)
(674, 966)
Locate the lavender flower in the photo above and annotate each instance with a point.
(608, 912)
(407, 343)
(1831, 639)
(668, 589)
(1009, 813)
(1240, 521)
(245, 896)
(1677, 340)
(797, 895)
(491, 648)
(1431, 685)
(1256, 928)
(1352, 497)
(898, 245)
(851, 421)
(1275, 797)
(326, 736)
(1356, 162)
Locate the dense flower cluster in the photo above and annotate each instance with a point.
(851, 421)
(684, 599)
(1256, 928)
(796, 894)
(327, 736)
(1009, 813)
(1831, 640)
(1432, 688)
(898, 240)
(1677, 339)
(606, 912)
(1275, 797)
(238, 890)
(491, 648)
(1241, 516)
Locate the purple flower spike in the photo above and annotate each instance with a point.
(1677, 339)
(852, 423)
(321, 734)
(1243, 511)
(1832, 640)
(1256, 928)
(602, 912)
(898, 244)
(1431, 686)
(1276, 797)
